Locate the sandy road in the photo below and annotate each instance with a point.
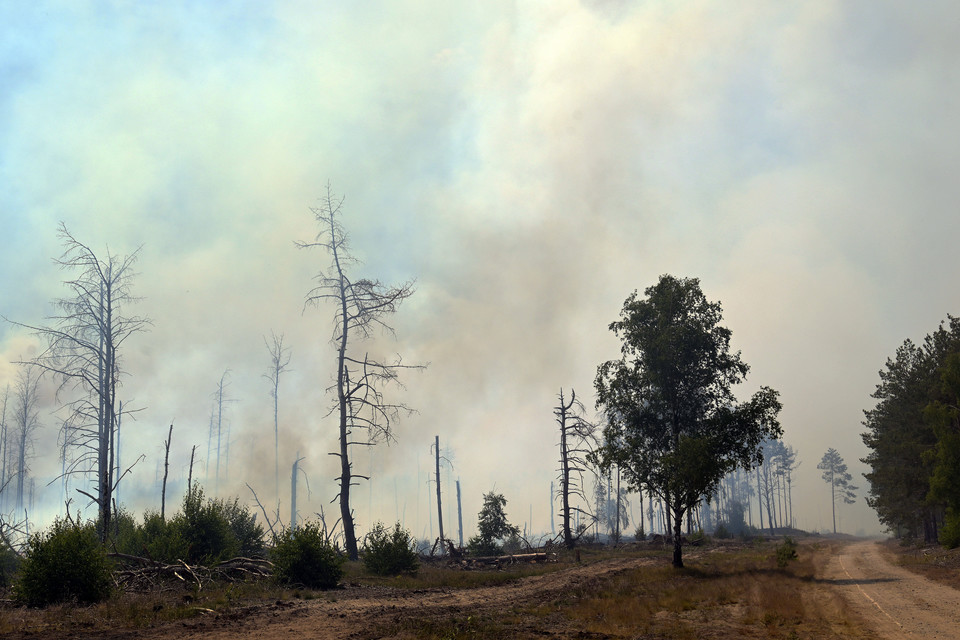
(897, 602)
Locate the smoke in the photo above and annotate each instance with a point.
(528, 165)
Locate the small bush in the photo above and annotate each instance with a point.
(244, 525)
(640, 535)
(786, 551)
(950, 531)
(9, 563)
(67, 563)
(205, 529)
(477, 546)
(156, 538)
(304, 556)
(216, 530)
(721, 532)
(389, 553)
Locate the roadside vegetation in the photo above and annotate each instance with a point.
(761, 588)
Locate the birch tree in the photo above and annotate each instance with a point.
(84, 340)
(365, 415)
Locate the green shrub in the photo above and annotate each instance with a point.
(214, 530)
(205, 529)
(304, 556)
(721, 532)
(950, 531)
(389, 553)
(477, 546)
(244, 525)
(9, 563)
(156, 538)
(67, 563)
(786, 551)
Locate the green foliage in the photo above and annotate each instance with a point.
(9, 563)
(477, 546)
(215, 530)
(304, 556)
(912, 435)
(950, 532)
(674, 425)
(786, 552)
(66, 563)
(243, 524)
(155, 538)
(387, 553)
(721, 532)
(493, 526)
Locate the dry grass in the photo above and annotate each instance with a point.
(930, 561)
(730, 590)
(734, 593)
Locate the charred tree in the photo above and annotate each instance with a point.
(577, 439)
(84, 340)
(361, 308)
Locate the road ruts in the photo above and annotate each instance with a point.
(897, 602)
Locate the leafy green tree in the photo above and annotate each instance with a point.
(674, 426)
(492, 526)
(835, 474)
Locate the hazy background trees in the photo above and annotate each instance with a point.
(279, 363)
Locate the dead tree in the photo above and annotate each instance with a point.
(361, 308)
(436, 447)
(577, 439)
(279, 361)
(83, 345)
(216, 425)
(166, 470)
(4, 446)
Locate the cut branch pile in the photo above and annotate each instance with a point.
(143, 574)
(499, 561)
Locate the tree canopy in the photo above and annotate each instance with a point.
(674, 425)
(912, 433)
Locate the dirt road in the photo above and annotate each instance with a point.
(897, 602)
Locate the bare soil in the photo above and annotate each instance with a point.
(897, 602)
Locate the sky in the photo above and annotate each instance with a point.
(529, 165)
